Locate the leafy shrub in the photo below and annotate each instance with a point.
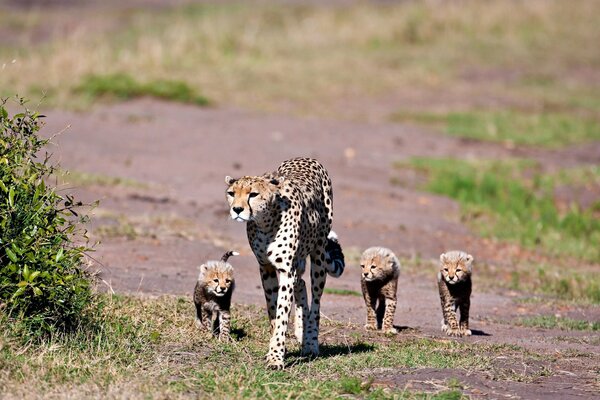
(42, 282)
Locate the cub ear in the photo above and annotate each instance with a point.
(229, 180)
(469, 259)
(443, 257)
(203, 268)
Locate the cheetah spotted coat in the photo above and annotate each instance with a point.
(289, 214)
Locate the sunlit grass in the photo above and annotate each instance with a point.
(553, 322)
(512, 200)
(545, 129)
(150, 348)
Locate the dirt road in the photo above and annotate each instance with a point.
(168, 214)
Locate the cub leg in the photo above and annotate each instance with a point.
(464, 317)
(450, 324)
(224, 325)
(370, 303)
(388, 317)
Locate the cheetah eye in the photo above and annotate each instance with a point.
(446, 269)
(252, 194)
(231, 193)
(458, 270)
(373, 267)
(227, 280)
(216, 280)
(362, 265)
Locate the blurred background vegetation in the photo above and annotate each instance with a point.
(493, 70)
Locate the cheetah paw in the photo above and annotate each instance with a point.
(275, 362)
(370, 327)
(454, 332)
(310, 350)
(225, 338)
(390, 330)
(466, 332)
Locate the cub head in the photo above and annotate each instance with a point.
(217, 276)
(455, 266)
(250, 197)
(378, 263)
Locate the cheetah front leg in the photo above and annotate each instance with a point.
(464, 317)
(276, 353)
(301, 303)
(310, 342)
(270, 287)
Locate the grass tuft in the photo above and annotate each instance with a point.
(552, 322)
(122, 87)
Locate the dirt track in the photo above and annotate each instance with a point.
(181, 154)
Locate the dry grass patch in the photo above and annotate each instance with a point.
(276, 57)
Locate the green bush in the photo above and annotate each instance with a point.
(42, 282)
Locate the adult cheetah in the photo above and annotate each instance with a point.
(289, 214)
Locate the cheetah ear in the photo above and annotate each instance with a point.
(443, 257)
(203, 268)
(229, 180)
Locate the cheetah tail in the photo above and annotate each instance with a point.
(229, 254)
(335, 256)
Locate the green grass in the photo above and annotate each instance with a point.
(513, 200)
(553, 322)
(123, 86)
(558, 282)
(150, 348)
(541, 129)
(342, 292)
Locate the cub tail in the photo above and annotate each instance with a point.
(334, 255)
(229, 254)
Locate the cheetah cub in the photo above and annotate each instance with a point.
(454, 283)
(212, 295)
(379, 281)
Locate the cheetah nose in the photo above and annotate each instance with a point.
(365, 273)
(238, 210)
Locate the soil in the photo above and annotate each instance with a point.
(175, 158)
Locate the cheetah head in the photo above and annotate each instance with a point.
(217, 276)
(250, 197)
(455, 266)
